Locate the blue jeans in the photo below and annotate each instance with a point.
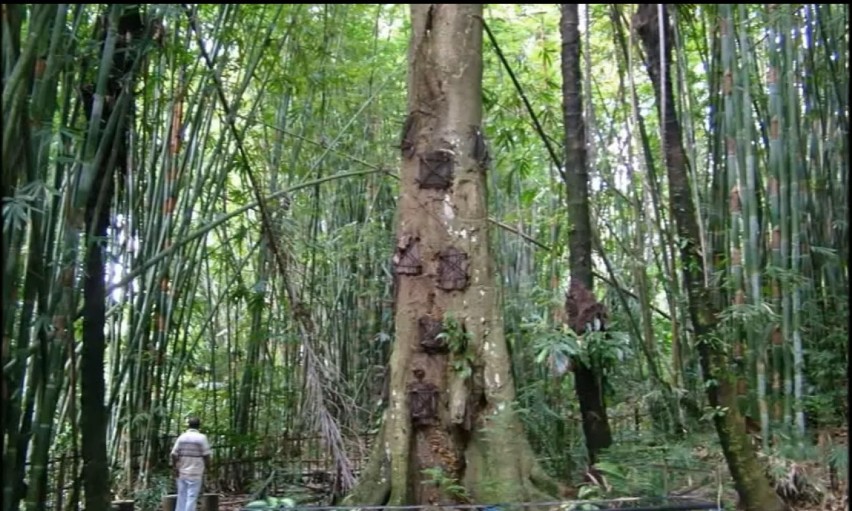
(188, 490)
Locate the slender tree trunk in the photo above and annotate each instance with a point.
(754, 489)
(449, 433)
(94, 415)
(588, 380)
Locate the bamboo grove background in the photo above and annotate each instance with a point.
(249, 232)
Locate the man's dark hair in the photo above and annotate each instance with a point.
(193, 422)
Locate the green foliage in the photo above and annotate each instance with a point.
(599, 349)
(711, 412)
(755, 316)
(655, 467)
(150, 498)
(558, 343)
(29, 199)
(446, 484)
(605, 350)
(827, 363)
(457, 338)
(838, 457)
(455, 335)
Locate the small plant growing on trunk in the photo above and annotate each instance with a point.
(457, 338)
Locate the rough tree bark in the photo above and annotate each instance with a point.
(755, 492)
(449, 433)
(587, 381)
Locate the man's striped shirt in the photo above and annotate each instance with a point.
(191, 447)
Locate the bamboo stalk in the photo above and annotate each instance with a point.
(747, 184)
(732, 102)
(777, 205)
(795, 158)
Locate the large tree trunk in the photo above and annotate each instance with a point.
(588, 381)
(753, 487)
(450, 434)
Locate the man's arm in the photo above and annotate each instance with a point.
(174, 456)
(206, 452)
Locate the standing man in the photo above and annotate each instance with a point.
(190, 456)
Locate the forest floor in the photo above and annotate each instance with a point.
(806, 481)
(809, 483)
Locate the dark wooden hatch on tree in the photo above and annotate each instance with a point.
(452, 269)
(429, 329)
(436, 170)
(406, 259)
(422, 401)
